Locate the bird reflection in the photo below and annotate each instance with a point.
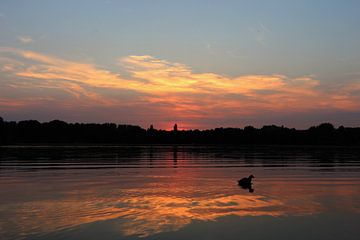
(250, 188)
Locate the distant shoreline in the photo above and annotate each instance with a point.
(57, 133)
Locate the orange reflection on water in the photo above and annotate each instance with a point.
(145, 215)
(159, 206)
(145, 202)
(154, 214)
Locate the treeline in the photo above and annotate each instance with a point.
(59, 132)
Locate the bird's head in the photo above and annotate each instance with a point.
(251, 176)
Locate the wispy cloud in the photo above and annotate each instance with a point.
(261, 33)
(163, 91)
(25, 39)
(177, 83)
(210, 48)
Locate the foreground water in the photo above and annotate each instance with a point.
(182, 192)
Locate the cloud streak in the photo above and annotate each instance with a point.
(25, 39)
(167, 91)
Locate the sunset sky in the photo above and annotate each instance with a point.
(201, 64)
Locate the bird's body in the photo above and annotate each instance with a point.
(246, 182)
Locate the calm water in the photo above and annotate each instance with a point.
(179, 192)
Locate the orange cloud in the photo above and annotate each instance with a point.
(173, 89)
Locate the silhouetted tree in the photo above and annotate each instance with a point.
(60, 132)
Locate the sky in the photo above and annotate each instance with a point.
(200, 64)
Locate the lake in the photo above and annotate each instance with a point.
(179, 192)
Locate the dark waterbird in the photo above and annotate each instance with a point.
(246, 183)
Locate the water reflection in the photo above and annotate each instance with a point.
(149, 201)
(159, 206)
(147, 213)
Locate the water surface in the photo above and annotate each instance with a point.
(179, 192)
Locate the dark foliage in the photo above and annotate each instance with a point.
(59, 132)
